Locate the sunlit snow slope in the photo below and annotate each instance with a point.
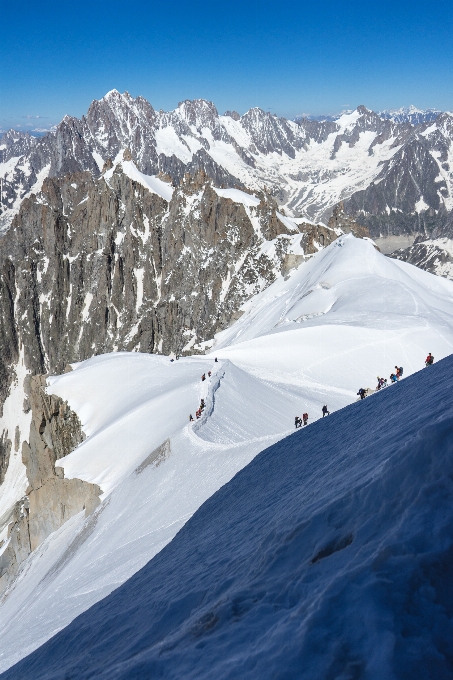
(344, 317)
(329, 556)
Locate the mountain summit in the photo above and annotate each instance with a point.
(391, 169)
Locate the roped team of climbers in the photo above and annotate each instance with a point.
(382, 382)
(394, 377)
(298, 422)
(301, 421)
(199, 411)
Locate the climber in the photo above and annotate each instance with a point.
(399, 371)
(191, 418)
(393, 378)
(297, 422)
(362, 392)
(325, 412)
(429, 360)
(305, 418)
(215, 359)
(209, 374)
(203, 377)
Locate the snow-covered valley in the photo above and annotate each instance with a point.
(313, 337)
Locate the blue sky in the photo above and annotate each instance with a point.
(290, 58)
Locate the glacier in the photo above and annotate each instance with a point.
(328, 556)
(313, 337)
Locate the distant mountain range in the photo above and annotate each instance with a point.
(394, 176)
(405, 114)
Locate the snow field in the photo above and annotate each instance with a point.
(328, 556)
(150, 182)
(334, 324)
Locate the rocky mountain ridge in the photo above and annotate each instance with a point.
(432, 255)
(50, 500)
(93, 266)
(393, 176)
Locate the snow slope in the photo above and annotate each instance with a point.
(329, 556)
(334, 324)
(150, 182)
(347, 315)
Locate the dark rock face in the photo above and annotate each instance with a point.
(340, 220)
(5, 451)
(418, 172)
(232, 114)
(91, 267)
(432, 256)
(411, 173)
(269, 133)
(8, 332)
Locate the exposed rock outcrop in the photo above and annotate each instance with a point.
(343, 221)
(92, 266)
(434, 256)
(51, 499)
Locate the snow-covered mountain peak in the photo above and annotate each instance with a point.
(335, 287)
(310, 165)
(410, 114)
(198, 112)
(111, 95)
(347, 120)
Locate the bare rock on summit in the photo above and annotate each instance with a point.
(232, 114)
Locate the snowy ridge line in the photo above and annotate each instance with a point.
(212, 387)
(392, 315)
(349, 545)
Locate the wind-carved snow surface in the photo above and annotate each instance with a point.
(329, 556)
(334, 324)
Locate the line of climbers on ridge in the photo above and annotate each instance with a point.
(394, 377)
(304, 420)
(199, 411)
(362, 393)
(300, 422)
